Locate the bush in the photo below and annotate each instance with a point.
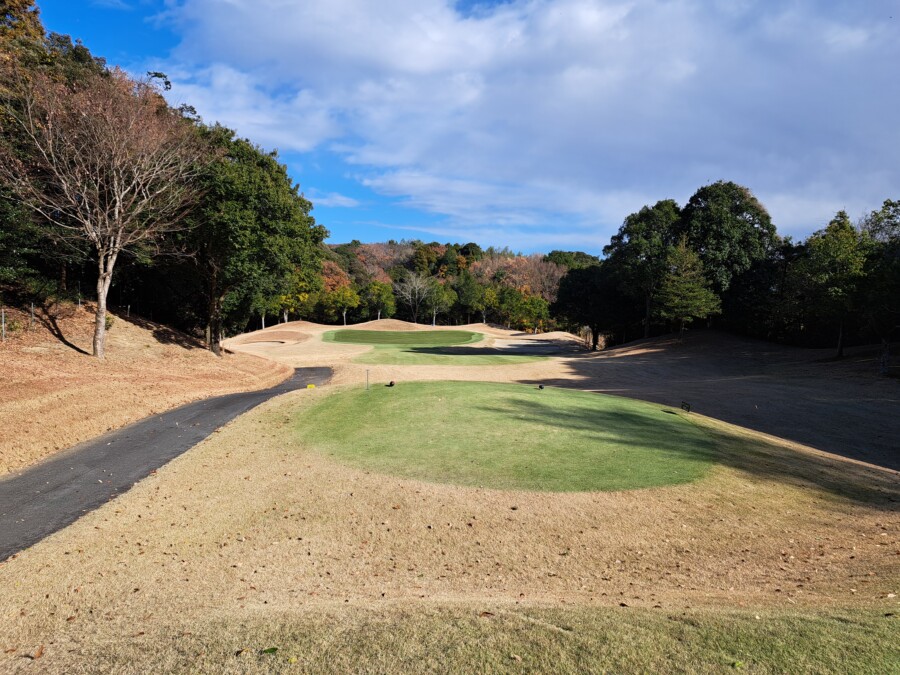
(110, 320)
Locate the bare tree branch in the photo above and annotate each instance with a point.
(106, 160)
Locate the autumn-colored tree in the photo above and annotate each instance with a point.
(103, 161)
(333, 276)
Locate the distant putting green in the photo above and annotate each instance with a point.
(424, 338)
(507, 436)
(424, 348)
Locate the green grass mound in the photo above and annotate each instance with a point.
(424, 338)
(507, 437)
(425, 348)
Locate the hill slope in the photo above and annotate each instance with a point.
(55, 395)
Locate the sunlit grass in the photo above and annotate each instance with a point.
(508, 436)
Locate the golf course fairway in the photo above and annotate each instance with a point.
(507, 436)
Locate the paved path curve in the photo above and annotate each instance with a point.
(55, 493)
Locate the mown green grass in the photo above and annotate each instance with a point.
(507, 436)
(485, 638)
(422, 338)
(424, 348)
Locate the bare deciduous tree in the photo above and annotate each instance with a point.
(412, 291)
(104, 160)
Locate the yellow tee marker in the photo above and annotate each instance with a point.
(310, 386)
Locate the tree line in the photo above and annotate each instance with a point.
(720, 258)
(108, 191)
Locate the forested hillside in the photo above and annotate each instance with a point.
(110, 195)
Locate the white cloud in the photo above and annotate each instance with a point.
(332, 199)
(556, 112)
(112, 4)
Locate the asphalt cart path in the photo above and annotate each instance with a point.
(53, 494)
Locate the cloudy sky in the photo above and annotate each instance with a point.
(536, 124)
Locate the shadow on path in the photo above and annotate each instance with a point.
(53, 494)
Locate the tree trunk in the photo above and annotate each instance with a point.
(647, 318)
(595, 338)
(345, 316)
(681, 330)
(840, 345)
(62, 277)
(214, 332)
(433, 317)
(379, 314)
(106, 260)
(263, 318)
(284, 315)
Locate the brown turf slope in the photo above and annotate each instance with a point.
(54, 395)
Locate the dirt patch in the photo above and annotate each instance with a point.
(55, 395)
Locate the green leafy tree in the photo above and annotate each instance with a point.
(535, 313)
(439, 300)
(487, 303)
(468, 293)
(340, 301)
(590, 296)
(640, 250)
(378, 299)
(834, 266)
(685, 291)
(883, 225)
(729, 229)
(573, 260)
(251, 230)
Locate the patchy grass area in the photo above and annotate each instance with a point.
(508, 436)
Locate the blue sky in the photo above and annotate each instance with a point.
(536, 124)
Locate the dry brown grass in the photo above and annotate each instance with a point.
(250, 524)
(54, 396)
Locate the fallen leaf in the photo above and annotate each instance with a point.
(270, 650)
(486, 615)
(39, 653)
(516, 657)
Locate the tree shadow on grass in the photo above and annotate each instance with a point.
(48, 316)
(487, 351)
(164, 334)
(854, 482)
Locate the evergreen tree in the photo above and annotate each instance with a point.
(685, 293)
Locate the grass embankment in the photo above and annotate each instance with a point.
(508, 436)
(424, 348)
